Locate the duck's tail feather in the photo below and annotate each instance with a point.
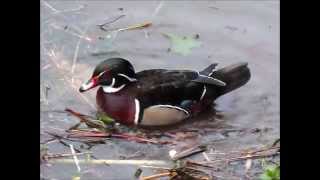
(209, 70)
(234, 76)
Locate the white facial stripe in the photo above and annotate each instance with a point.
(137, 111)
(174, 107)
(86, 86)
(203, 92)
(127, 77)
(111, 89)
(101, 73)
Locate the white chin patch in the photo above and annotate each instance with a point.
(111, 88)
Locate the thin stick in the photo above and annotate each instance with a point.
(156, 11)
(109, 22)
(51, 156)
(206, 156)
(50, 7)
(76, 52)
(155, 176)
(198, 164)
(156, 167)
(118, 162)
(136, 26)
(244, 157)
(75, 158)
(65, 78)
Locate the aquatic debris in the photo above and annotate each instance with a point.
(137, 26)
(137, 138)
(48, 156)
(231, 28)
(130, 27)
(76, 178)
(214, 8)
(88, 120)
(102, 132)
(180, 174)
(97, 136)
(271, 172)
(243, 155)
(138, 173)
(156, 176)
(113, 161)
(186, 153)
(112, 20)
(104, 118)
(75, 158)
(182, 45)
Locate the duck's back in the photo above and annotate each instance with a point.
(170, 87)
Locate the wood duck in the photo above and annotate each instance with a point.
(160, 97)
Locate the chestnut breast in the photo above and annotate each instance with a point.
(121, 106)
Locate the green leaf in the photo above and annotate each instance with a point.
(271, 172)
(76, 178)
(182, 45)
(265, 177)
(105, 118)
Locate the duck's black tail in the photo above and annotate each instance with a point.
(234, 76)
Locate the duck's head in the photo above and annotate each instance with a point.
(112, 75)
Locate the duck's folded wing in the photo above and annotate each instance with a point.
(164, 86)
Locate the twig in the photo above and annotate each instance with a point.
(243, 157)
(52, 156)
(136, 26)
(156, 176)
(77, 114)
(156, 167)
(137, 138)
(189, 152)
(72, 10)
(206, 156)
(75, 57)
(275, 142)
(101, 26)
(189, 162)
(50, 7)
(156, 11)
(261, 150)
(75, 158)
(252, 157)
(119, 162)
(83, 119)
(51, 55)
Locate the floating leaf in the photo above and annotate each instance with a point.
(182, 45)
(76, 178)
(271, 172)
(105, 118)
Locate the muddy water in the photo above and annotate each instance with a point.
(229, 32)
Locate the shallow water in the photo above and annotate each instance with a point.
(229, 31)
